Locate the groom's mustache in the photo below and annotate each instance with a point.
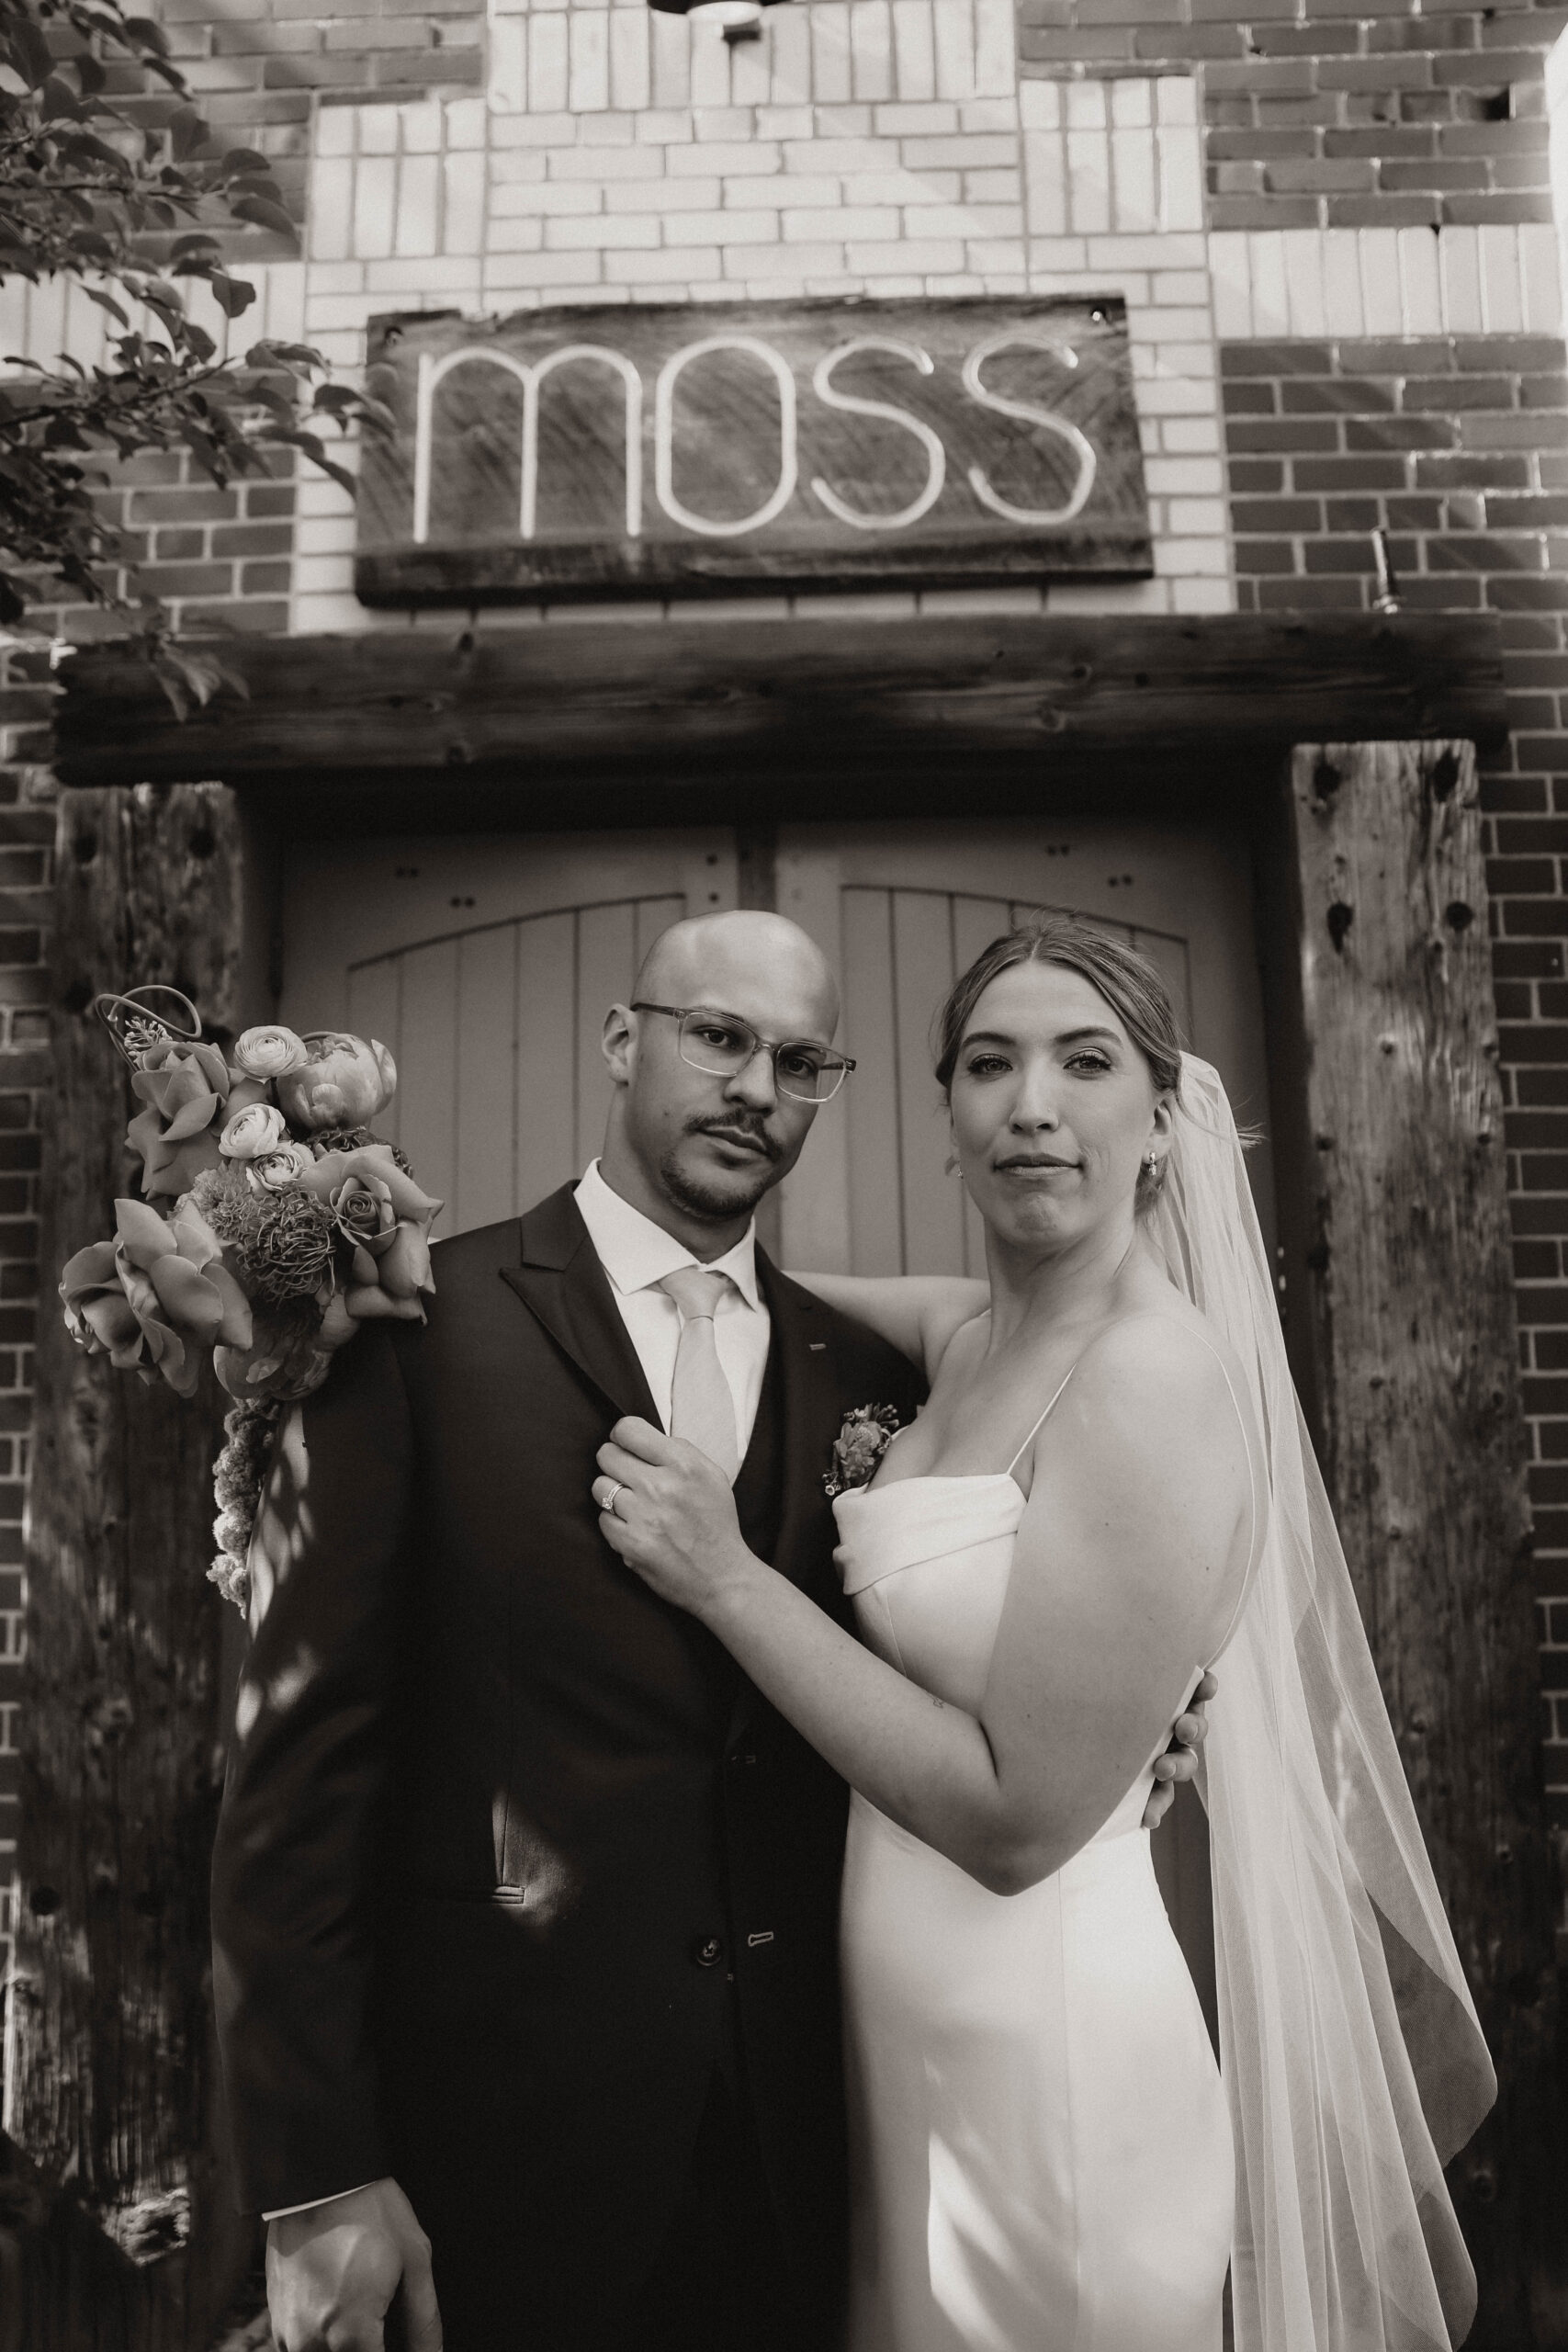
(737, 1128)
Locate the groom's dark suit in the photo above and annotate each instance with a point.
(500, 1827)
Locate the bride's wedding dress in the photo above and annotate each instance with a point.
(1042, 2150)
(1040, 2147)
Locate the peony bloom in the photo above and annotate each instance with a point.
(156, 1297)
(185, 1085)
(346, 1081)
(253, 1133)
(268, 1053)
(280, 1171)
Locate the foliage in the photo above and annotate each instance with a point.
(89, 194)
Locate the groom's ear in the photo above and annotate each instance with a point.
(618, 1042)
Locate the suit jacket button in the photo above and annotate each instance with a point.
(708, 1950)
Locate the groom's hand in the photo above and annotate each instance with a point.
(1179, 1761)
(334, 2270)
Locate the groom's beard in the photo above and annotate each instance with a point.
(689, 1192)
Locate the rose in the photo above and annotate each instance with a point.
(156, 1296)
(268, 1053)
(346, 1081)
(279, 1170)
(185, 1085)
(387, 1219)
(363, 1208)
(253, 1133)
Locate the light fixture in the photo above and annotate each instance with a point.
(736, 20)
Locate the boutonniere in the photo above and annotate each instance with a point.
(860, 1447)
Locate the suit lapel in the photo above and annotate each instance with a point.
(807, 1396)
(561, 1281)
(809, 1422)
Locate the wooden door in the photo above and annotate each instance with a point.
(487, 964)
(901, 911)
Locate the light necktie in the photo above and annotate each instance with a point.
(702, 1406)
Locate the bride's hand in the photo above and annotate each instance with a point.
(671, 1515)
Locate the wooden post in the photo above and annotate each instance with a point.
(1411, 1314)
(110, 2083)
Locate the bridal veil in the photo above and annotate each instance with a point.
(1349, 2043)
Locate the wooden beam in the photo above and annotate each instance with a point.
(112, 2087)
(581, 699)
(1410, 1294)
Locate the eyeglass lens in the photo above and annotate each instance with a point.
(721, 1048)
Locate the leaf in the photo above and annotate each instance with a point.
(201, 241)
(106, 302)
(186, 131)
(198, 342)
(232, 295)
(147, 35)
(240, 161)
(264, 214)
(32, 56)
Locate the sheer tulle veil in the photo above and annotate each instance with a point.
(1350, 2045)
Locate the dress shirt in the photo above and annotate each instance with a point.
(637, 1254)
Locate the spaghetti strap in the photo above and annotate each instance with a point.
(1039, 1425)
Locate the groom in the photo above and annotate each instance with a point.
(524, 1901)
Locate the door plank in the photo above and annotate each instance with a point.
(654, 915)
(545, 1147)
(487, 1077)
(923, 972)
(606, 960)
(375, 1010)
(876, 1214)
(428, 1083)
(975, 923)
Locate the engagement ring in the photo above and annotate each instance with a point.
(607, 1502)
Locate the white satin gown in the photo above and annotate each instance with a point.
(1041, 2156)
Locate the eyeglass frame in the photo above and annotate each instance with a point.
(843, 1063)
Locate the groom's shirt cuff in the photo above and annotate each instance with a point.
(277, 2211)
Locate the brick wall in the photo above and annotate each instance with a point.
(1334, 113)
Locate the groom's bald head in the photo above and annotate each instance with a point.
(707, 958)
(696, 1149)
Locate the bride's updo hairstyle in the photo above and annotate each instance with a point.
(1130, 984)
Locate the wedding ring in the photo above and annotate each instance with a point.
(607, 1502)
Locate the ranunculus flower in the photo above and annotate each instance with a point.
(280, 1171)
(346, 1081)
(269, 1053)
(156, 1297)
(185, 1085)
(253, 1133)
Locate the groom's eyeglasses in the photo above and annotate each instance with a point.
(724, 1046)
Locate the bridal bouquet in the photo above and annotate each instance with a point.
(274, 1224)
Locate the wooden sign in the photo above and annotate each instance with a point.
(684, 448)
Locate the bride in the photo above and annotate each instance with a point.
(1110, 1486)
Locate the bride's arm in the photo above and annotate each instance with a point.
(1120, 1588)
(917, 1314)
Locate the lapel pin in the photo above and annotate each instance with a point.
(816, 1346)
